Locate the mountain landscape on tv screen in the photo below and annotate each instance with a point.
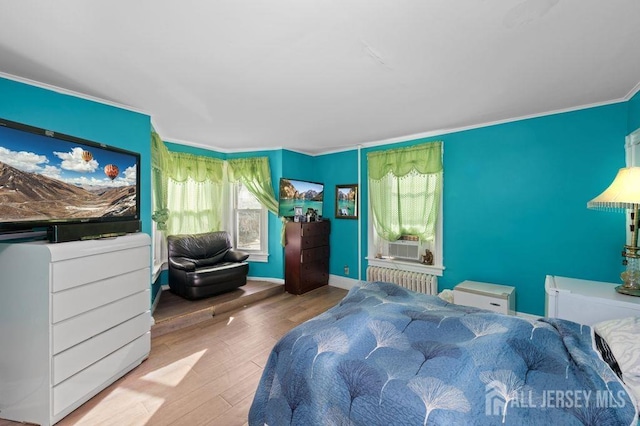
(289, 192)
(28, 196)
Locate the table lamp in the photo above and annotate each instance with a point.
(624, 194)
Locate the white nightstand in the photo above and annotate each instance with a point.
(494, 297)
(587, 302)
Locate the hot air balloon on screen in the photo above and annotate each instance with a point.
(111, 170)
(87, 156)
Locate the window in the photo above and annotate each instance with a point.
(158, 246)
(407, 252)
(250, 224)
(195, 206)
(405, 205)
(632, 154)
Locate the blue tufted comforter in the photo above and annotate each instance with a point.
(388, 356)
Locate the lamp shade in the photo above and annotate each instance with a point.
(623, 193)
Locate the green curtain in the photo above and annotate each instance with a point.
(255, 174)
(404, 190)
(198, 168)
(196, 187)
(160, 164)
(195, 207)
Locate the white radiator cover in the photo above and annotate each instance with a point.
(415, 281)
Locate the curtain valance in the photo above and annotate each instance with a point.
(404, 190)
(184, 166)
(424, 159)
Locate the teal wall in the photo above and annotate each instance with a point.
(515, 202)
(299, 166)
(515, 199)
(176, 147)
(634, 113)
(340, 169)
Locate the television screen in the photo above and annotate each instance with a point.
(300, 195)
(50, 178)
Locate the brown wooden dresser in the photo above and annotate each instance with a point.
(306, 256)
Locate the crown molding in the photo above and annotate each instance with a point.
(234, 151)
(632, 92)
(68, 92)
(369, 144)
(215, 148)
(422, 135)
(445, 131)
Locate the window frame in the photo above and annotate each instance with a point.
(158, 247)
(413, 266)
(632, 159)
(261, 255)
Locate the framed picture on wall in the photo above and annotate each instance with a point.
(347, 201)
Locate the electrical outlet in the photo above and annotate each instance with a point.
(346, 269)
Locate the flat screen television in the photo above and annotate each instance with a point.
(300, 195)
(48, 178)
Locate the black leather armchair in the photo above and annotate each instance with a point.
(203, 265)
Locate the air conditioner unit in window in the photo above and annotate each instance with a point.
(405, 249)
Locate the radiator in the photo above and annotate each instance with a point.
(416, 281)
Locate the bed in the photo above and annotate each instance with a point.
(388, 356)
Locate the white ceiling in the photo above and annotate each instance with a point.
(319, 76)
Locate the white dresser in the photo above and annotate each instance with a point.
(74, 317)
(494, 297)
(587, 302)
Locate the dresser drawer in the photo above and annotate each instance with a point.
(80, 328)
(74, 272)
(74, 301)
(314, 254)
(314, 273)
(314, 241)
(81, 356)
(88, 381)
(315, 228)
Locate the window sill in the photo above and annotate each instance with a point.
(157, 270)
(258, 257)
(390, 262)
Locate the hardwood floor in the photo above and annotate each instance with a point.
(205, 373)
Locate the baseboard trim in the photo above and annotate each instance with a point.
(267, 279)
(154, 305)
(342, 282)
(528, 316)
(165, 287)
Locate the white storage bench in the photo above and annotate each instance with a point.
(494, 297)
